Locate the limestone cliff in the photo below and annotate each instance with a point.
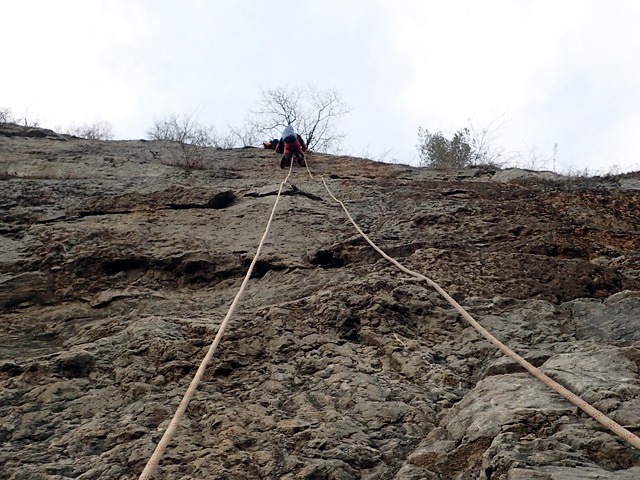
(117, 265)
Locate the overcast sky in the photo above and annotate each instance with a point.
(563, 72)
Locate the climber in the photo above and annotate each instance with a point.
(291, 145)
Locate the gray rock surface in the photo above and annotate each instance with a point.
(117, 266)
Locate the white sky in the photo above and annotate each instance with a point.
(547, 71)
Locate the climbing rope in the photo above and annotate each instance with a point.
(153, 462)
(147, 473)
(536, 372)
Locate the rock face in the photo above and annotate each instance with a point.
(117, 266)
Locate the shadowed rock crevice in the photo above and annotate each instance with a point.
(218, 201)
(288, 190)
(98, 213)
(262, 267)
(194, 270)
(329, 258)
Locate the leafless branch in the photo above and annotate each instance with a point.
(312, 112)
(92, 131)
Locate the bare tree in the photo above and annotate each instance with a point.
(92, 131)
(279, 107)
(183, 129)
(245, 136)
(311, 111)
(484, 139)
(532, 159)
(5, 115)
(190, 136)
(228, 140)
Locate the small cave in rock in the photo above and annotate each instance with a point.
(200, 266)
(221, 200)
(199, 272)
(226, 368)
(349, 328)
(261, 268)
(328, 259)
(111, 267)
(194, 269)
